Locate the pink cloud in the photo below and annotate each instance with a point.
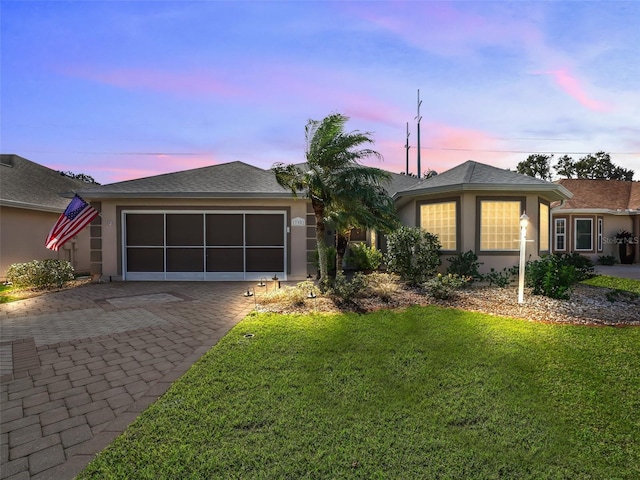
(129, 166)
(573, 87)
(443, 147)
(185, 83)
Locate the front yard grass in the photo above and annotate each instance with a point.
(615, 283)
(426, 392)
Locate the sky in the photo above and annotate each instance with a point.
(127, 89)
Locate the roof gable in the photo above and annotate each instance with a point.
(616, 195)
(26, 184)
(233, 179)
(472, 175)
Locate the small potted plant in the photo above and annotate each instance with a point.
(625, 242)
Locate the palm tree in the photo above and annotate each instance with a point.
(332, 177)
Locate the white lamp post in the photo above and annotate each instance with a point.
(524, 222)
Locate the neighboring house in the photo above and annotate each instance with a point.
(30, 204)
(234, 222)
(477, 207)
(588, 222)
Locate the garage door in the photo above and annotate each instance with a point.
(229, 245)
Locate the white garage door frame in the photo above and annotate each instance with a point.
(204, 275)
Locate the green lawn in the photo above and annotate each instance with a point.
(616, 283)
(422, 393)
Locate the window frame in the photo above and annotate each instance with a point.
(556, 235)
(548, 206)
(575, 234)
(458, 223)
(600, 234)
(507, 199)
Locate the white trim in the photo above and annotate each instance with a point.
(556, 235)
(575, 235)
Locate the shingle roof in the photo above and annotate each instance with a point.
(234, 179)
(26, 184)
(615, 195)
(472, 175)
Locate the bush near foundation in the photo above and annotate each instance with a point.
(40, 274)
(413, 254)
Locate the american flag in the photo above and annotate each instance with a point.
(77, 216)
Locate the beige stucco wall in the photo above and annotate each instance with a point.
(112, 230)
(22, 236)
(469, 225)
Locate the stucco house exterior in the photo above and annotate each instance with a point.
(233, 221)
(477, 207)
(588, 222)
(30, 203)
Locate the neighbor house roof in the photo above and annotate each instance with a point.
(616, 196)
(474, 176)
(233, 179)
(26, 184)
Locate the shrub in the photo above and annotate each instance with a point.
(583, 265)
(364, 257)
(607, 260)
(443, 287)
(550, 277)
(346, 290)
(413, 254)
(382, 285)
(465, 265)
(501, 279)
(40, 273)
(291, 296)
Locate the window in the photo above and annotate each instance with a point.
(600, 229)
(561, 234)
(544, 227)
(500, 225)
(584, 234)
(441, 219)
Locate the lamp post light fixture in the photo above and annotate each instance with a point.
(251, 293)
(524, 223)
(313, 296)
(263, 282)
(275, 281)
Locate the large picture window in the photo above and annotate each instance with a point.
(500, 225)
(441, 219)
(584, 234)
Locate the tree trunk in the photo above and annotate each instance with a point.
(321, 244)
(342, 241)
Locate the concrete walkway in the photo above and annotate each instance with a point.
(78, 366)
(623, 271)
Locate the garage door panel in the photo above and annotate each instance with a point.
(225, 229)
(145, 229)
(185, 229)
(145, 260)
(265, 259)
(185, 259)
(225, 259)
(264, 230)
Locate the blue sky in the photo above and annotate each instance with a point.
(123, 89)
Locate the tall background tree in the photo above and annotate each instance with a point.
(333, 177)
(592, 166)
(537, 165)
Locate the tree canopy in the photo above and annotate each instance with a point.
(593, 166)
(335, 181)
(80, 176)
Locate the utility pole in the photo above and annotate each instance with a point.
(407, 147)
(419, 118)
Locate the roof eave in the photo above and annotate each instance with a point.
(555, 192)
(30, 206)
(178, 195)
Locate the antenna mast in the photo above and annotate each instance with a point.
(407, 147)
(418, 117)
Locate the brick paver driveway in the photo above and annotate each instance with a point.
(78, 366)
